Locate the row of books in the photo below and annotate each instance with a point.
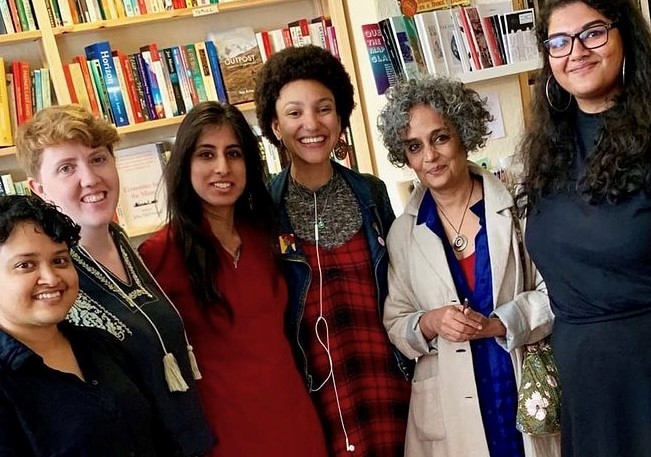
(10, 186)
(318, 31)
(23, 91)
(449, 41)
(17, 16)
(162, 83)
(69, 12)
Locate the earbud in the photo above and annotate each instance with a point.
(350, 448)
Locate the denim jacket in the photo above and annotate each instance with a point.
(377, 217)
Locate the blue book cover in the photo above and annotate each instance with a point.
(174, 79)
(101, 51)
(213, 58)
(147, 60)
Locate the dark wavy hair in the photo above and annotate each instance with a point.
(18, 209)
(620, 164)
(184, 209)
(459, 105)
(310, 63)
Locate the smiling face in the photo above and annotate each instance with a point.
(39, 281)
(433, 150)
(82, 181)
(593, 76)
(307, 122)
(217, 169)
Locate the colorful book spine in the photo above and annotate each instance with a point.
(213, 59)
(6, 137)
(195, 70)
(139, 86)
(130, 82)
(383, 71)
(102, 52)
(168, 60)
(184, 80)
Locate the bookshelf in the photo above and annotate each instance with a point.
(52, 47)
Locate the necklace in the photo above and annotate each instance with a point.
(320, 222)
(460, 241)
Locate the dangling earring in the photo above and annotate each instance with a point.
(283, 154)
(341, 149)
(549, 98)
(250, 201)
(624, 71)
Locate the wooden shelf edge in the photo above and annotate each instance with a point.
(500, 72)
(165, 16)
(7, 151)
(176, 120)
(20, 37)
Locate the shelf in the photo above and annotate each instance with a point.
(176, 120)
(21, 37)
(7, 151)
(500, 72)
(165, 16)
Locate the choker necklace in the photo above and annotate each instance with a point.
(460, 241)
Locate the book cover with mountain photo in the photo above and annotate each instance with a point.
(239, 60)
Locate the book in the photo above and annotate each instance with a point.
(141, 96)
(213, 59)
(144, 75)
(378, 54)
(478, 35)
(206, 71)
(317, 28)
(150, 81)
(299, 32)
(392, 48)
(463, 26)
(264, 44)
(185, 81)
(123, 87)
(239, 60)
(11, 97)
(142, 204)
(168, 84)
(195, 71)
(277, 40)
(168, 60)
(431, 43)
(5, 14)
(6, 136)
(333, 46)
(491, 40)
(132, 87)
(158, 88)
(8, 184)
(92, 98)
(100, 86)
(101, 51)
(449, 42)
(521, 35)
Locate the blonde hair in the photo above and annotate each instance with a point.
(59, 124)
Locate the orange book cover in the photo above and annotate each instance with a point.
(83, 63)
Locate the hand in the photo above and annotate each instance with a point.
(490, 326)
(452, 323)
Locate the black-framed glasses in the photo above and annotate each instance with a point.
(593, 37)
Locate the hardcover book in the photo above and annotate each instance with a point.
(521, 35)
(431, 43)
(6, 137)
(240, 62)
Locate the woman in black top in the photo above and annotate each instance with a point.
(588, 181)
(64, 390)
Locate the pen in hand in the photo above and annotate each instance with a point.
(465, 305)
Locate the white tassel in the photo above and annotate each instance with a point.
(196, 374)
(173, 376)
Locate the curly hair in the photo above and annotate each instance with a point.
(459, 105)
(18, 209)
(59, 124)
(310, 63)
(620, 165)
(184, 207)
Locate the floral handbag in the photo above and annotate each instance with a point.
(539, 394)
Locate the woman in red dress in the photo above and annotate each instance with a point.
(215, 260)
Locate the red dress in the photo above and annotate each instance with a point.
(252, 392)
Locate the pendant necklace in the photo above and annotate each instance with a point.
(320, 222)
(460, 241)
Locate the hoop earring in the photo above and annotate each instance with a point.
(549, 99)
(624, 71)
(341, 149)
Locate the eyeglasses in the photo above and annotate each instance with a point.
(593, 37)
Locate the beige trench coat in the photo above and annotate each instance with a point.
(444, 415)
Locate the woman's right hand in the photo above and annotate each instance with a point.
(449, 322)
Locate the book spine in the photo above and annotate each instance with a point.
(102, 52)
(213, 59)
(332, 41)
(143, 75)
(28, 100)
(206, 72)
(169, 90)
(69, 83)
(38, 90)
(184, 82)
(102, 93)
(195, 69)
(383, 72)
(29, 15)
(123, 87)
(13, 10)
(6, 137)
(188, 76)
(88, 82)
(391, 45)
(168, 60)
(6, 18)
(150, 54)
(22, 16)
(130, 84)
(139, 86)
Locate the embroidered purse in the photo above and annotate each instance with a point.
(539, 393)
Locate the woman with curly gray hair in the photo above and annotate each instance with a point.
(459, 302)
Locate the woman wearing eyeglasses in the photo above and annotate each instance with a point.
(588, 181)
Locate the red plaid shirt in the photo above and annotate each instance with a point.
(373, 394)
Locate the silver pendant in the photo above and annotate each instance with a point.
(459, 242)
(320, 224)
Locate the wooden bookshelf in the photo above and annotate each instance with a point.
(500, 72)
(22, 37)
(7, 151)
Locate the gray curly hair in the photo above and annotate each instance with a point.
(459, 105)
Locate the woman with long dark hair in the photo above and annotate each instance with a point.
(588, 178)
(215, 259)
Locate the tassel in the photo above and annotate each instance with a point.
(173, 376)
(196, 374)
